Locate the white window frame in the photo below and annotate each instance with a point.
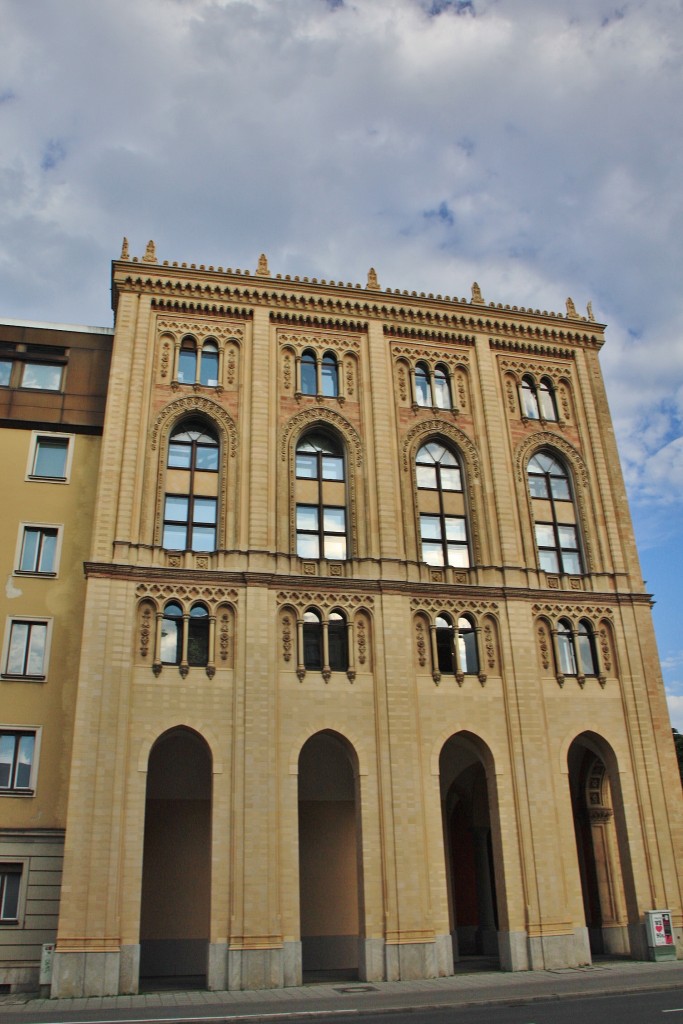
(48, 435)
(39, 620)
(23, 863)
(20, 546)
(31, 790)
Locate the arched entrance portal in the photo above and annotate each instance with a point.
(466, 810)
(597, 845)
(176, 870)
(329, 857)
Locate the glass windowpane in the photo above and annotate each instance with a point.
(10, 898)
(458, 556)
(450, 479)
(333, 468)
(179, 456)
(203, 538)
(545, 535)
(50, 459)
(308, 545)
(175, 535)
(335, 546)
(334, 520)
(430, 527)
(204, 510)
(25, 761)
(309, 377)
(36, 649)
(41, 376)
(455, 528)
(432, 553)
(549, 561)
(206, 458)
(187, 366)
(426, 477)
(560, 488)
(208, 373)
(29, 551)
(306, 466)
(306, 517)
(6, 760)
(5, 372)
(571, 562)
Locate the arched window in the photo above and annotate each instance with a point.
(198, 636)
(208, 373)
(529, 398)
(330, 375)
(338, 646)
(557, 537)
(171, 634)
(313, 639)
(309, 373)
(187, 361)
(565, 648)
(442, 388)
(443, 528)
(546, 398)
(445, 635)
(320, 498)
(586, 643)
(191, 501)
(467, 646)
(423, 390)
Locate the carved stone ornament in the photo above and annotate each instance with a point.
(262, 268)
(372, 279)
(146, 623)
(421, 643)
(224, 637)
(361, 640)
(150, 253)
(307, 417)
(544, 646)
(319, 341)
(287, 638)
(489, 646)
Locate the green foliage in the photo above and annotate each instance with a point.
(678, 740)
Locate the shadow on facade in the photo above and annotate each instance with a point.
(601, 843)
(466, 808)
(330, 871)
(176, 872)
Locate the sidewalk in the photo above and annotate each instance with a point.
(466, 988)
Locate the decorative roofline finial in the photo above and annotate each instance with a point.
(372, 279)
(150, 253)
(477, 297)
(125, 254)
(589, 310)
(571, 309)
(262, 268)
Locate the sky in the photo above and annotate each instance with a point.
(534, 146)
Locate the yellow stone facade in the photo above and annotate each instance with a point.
(368, 681)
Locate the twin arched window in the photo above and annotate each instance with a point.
(191, 500)
(457, 651)
(321, 527)
(433, 389)
(555, 520)
(443, 523)
(325, 642)
(319, 377)
(198, 367)
(576, 651)
(538, 401)
(184, 639)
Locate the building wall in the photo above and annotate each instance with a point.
(39, 699)
(530, 752)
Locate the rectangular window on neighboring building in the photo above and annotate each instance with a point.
(26, 652)
(50, 457)
(17, 760)
(38, 553)
(10, 884)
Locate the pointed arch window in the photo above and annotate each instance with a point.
(338, 642)
(309, 373)
(423, 389)
(565, 648)
(330, 375)
(191, 501)
(529, 398)
(546, 399)
(556, 528)
(587, 653)
(187, 361)
(445, 636)
(208, 370)
(467, 646)
(320, 498)
(442, 388)
(198, 635)
(313, 639)
(443, 524)
(171, 634)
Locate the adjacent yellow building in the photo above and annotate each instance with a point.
(367, 681)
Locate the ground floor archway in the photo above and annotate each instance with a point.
(591, 768)
(330, 869)
(176, 871)
(469, 847)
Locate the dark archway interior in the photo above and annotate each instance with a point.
(176, 873)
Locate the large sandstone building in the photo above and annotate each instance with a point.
(330, 634)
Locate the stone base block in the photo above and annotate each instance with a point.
(615, 940)
(129, 970)
(217, 967)
(637, 936)
(255, 969)
(513, 951)
(550, 952)
(20, 979)
(410, 961)
(443, 948)
(291, 964)
(85, 974)
(371, 959)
